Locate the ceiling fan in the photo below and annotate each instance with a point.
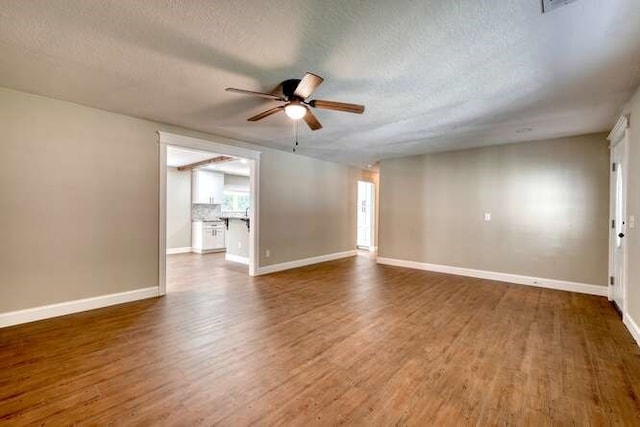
(295, 94)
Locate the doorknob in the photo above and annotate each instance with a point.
(621, 235)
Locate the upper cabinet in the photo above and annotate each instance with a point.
(207, 187)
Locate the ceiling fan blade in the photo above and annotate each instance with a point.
(312, 121)
(337, 106)
(250, 92)
(307, 85)
(265, 114)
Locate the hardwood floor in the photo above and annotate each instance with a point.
(344, 342)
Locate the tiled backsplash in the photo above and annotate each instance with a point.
(201, 212)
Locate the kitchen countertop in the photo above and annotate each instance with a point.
(242, 217)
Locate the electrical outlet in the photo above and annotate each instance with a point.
(239, 245)
(487, 216)
(632, 222)
(267, 253)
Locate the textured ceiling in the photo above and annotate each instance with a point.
(434, 74)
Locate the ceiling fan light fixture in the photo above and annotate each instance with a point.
(295, 96)
(295, 110)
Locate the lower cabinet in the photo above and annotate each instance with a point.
(207, 237)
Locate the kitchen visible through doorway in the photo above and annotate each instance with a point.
(209, 206)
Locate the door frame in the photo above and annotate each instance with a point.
(372, 215)
(619, 135)
(168, 139)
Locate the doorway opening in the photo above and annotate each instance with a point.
(618, 215)
(208, 210)
(366, 216)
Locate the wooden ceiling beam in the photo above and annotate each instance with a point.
(203, 163)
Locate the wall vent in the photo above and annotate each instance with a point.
(549, 5)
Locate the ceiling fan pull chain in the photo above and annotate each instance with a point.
(295, 134)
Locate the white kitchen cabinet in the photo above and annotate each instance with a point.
(207, 237)
(208, 240)
(217, 238)
(207, 187)
(213, 238)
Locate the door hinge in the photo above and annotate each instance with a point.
(613, 167)
(613, 223)
(612, 280)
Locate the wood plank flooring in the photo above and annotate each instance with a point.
(345, 342)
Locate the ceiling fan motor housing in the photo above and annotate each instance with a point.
(289, 87)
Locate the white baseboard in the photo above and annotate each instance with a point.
(236, 258)
(562, 285)
(207, 251)
(54, 310)
(633, 328)
(305, 261)
(174, 251)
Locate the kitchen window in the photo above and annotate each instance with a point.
(236, 201)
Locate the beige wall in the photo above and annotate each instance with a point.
(79, 202)
(178, 208)
(548, 201)
(633, 208)
(307, 207)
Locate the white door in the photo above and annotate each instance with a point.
(618, 222)
(365, 203)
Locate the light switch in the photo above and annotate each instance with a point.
(487, 216)
(632, 221)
